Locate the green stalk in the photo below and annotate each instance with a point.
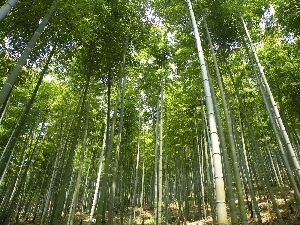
(4, 10)
(10, 81)
(216, 153)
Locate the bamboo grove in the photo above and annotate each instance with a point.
(188, 110)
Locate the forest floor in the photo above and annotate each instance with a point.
(287, 208)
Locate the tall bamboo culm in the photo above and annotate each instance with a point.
(216, 153)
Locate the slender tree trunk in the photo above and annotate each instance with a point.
(208, 164)
(122, 196)
(11, 144)
(134, 196)
(39, 199)
(267, 147)
(244, 158)
(282, 128)
(156, 165)
(201, 188)
(26, 178)
(51, 184)
(103, 152)
(167, 191)
(96, 192)
(58, 171)
(283, 153)
(142, 185)
(261, 164)
(115, 168)
(236, 169)
(16, 192)
(4, 10)
(4, 107)
(217, 162)
(61, 199)
(160, 159)
(276, 130)
(79, 175)
(227, 167)
(86, 190)
(103, 190)
(10, 81)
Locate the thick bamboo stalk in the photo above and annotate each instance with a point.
(236, 169)
(4, 10)
(10, 81)
(217, 161)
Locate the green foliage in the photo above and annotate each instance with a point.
(90, 37)
(288, 14)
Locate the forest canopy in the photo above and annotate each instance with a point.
(149, 112)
